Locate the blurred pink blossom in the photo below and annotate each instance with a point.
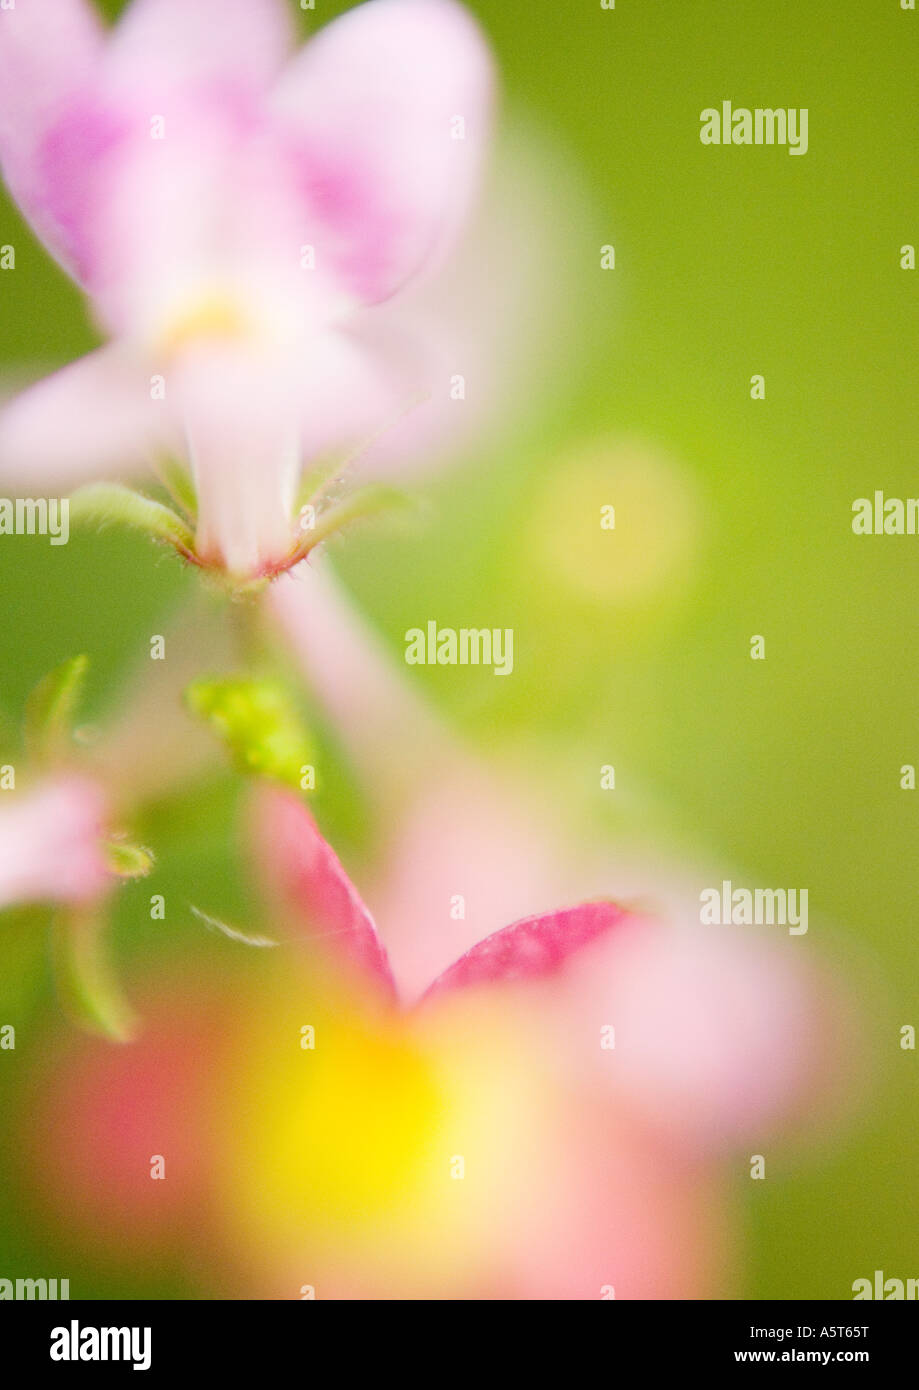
(333, 1167)
(235, 216)
(51, 843)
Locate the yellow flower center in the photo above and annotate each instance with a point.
(214, 316)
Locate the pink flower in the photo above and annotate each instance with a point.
(235, 216)
(51, 843)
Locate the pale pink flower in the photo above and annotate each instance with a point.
(51, 843)
(235, 216)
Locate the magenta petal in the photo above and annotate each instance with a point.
(531, 949)
(316, 894)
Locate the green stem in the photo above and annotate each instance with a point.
(246, 617)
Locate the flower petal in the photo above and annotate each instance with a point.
(204, 217)
(253, 416)
(50, 847)
(720, 1035)
(348, 670)
(93, 418)
(242, 441)
(388, 109)
(352, 388)
(499, 315)
(164, 43)
(304, 872)
(49, 131)
(532, 949)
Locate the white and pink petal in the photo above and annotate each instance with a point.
(162, 44)
(387, 111)
(53, 133)
(51, 843)
(96, 418)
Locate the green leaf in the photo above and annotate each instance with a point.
(335, 464)
(368, 501)
(178, 481)
(105, 502)
(51, 709)
(319, 476)
(85, 979)
(259, 724)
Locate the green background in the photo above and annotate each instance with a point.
(729, 262)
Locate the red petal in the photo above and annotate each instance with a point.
(314, 890)
(531, 949)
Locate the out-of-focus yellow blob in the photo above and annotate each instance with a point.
(616, 522)
(393, 1156)
(333, 1134)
